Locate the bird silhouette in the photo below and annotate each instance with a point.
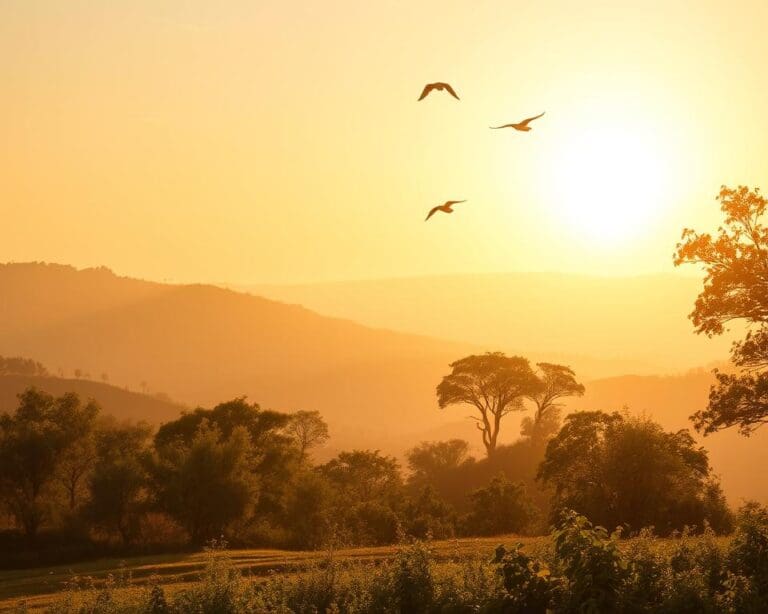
(437, 86)
(522, 126)
(445, 207)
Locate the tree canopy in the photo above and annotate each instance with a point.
(494, 384)
(619, 470)
(735, 261)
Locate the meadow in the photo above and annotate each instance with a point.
(579, 567)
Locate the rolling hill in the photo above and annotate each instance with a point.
(113, 401)
(204, 344)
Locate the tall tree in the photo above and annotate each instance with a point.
(494, 384)
(557, 382)
(33, 442)
(735, 262)
(308, 430)
(208, 483)
(118, 483)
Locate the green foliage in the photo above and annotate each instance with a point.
(585, 570)
(207, 484)
(501, 507)
(629, 471)
(748, 556)
(33, 442)
(592, 564)
(528, 585)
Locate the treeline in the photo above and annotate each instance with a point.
(16, 365)
(75, 483)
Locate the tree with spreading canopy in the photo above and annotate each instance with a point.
(623, 470)
(208, 483)
(557, 382)
(735, 262)
(494, 384)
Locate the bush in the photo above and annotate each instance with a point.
(528, 586)
(590, 560)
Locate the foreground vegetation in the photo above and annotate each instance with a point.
(580, 567)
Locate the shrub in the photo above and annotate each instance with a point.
(592, 564)
(527, 583)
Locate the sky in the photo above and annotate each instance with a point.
(282, 141)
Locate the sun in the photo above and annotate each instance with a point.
(606, 182)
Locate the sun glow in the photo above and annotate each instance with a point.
(607, 182)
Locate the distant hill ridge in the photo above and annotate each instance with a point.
(117, 402)
(602, 326)
(204, 344)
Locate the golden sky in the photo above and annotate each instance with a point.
(279, 141)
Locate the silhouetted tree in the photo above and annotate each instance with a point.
(33, 442)
(426, 514)
(431, 460)
(501, 507)
(363, 475)
(619, 470)
(118, 484)
(21, 366)
(208, 483)
(273, 457)
(308, 430)
(557, 382)
(735, 288)
(492, 383)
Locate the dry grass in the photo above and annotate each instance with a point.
(37, 587)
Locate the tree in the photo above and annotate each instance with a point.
(501, 507)
(272, 456)
(208, 483)
(431, 460)
(363, 475)
(492, 383)
(21, 366)
(427, 515)
(33, 442)
(618, 470)
(735, 262)
(119, 480)
(557, 382)
(308, 430)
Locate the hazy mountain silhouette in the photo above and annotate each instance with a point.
(601, 326)
(204, 344)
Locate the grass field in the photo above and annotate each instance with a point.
(37, 587)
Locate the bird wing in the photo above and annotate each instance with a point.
(504, 126)
(427, 89)
(530, 119)
(448, 203)
(432, 211)
(450, 91)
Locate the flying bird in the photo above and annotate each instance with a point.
(445, 207)
(437, 86)
(522, 126)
